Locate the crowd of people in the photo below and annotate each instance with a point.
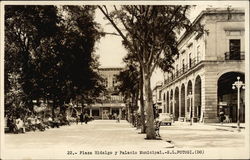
(18, 124)
(115, 116)
(83, 118)
(22, 124)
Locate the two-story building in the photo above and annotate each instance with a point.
(157, 97)
(206, 68)
(111, 102)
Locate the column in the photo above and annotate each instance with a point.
(173, 107)
(169, 102)
(179, 102)
(210, 94)
(185, 100)
(120, 112)
(90, 112)
(100, 111)
(110, 110)
(192, 102)
(202, 98)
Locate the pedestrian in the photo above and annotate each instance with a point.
(221, 115)
(86, 117)
(118, 118)
(81, 118)
(77, 119)
(10, 124)
(115, 116)
(20, 125)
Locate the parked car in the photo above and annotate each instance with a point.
(165, 118)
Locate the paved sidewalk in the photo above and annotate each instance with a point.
(225, 126)
(103, 136)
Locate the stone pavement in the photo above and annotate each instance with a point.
(69, 141)
(218, 126)
(106, 139)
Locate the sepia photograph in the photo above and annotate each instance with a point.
(124, 80)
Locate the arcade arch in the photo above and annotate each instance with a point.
(227, 97)
(189, 91)
(182, 100)
(197, 97)
(176, 106)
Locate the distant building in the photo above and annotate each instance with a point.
(157, 97)
(207, 66)
(111, 102)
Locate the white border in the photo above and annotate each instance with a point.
(211, 152)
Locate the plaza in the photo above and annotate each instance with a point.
(62, 102)
(107, 139)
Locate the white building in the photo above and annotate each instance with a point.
(206, 68)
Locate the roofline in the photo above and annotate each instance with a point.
(101, 68)
(210, 11)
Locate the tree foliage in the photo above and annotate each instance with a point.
(150, 34)
(128, 78)
(51, 48)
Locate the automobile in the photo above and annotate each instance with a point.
(165, 118)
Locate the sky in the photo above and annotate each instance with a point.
(111, 50)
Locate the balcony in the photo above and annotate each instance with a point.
(235, 56)
(183, 70)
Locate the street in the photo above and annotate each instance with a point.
(109, 139)
(202, 136)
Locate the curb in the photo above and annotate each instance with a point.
(241, 127)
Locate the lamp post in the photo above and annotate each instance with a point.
(238, 84)
(191, 108)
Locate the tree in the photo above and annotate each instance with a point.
(52, 48)
(25, 28)
(129, 85)
(137, 78)
(150, 33)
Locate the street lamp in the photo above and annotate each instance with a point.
(238, 84)
(191, 108)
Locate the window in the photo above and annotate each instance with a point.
(190, 60)
(183, 65)
(114, 81)
(106, 82)
(177, 69)
(198, 54)
(159, 96)
(234, 49)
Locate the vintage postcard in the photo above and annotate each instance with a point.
(124, 80)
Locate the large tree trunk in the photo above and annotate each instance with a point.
(143, 128)
(150, 130)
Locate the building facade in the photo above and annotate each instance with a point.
(157, 98)
(111, 102)
(207, 66)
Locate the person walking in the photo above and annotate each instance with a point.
(81, 117)
(221, 114)
(77, 119)
(86, 117)
(118, 118)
